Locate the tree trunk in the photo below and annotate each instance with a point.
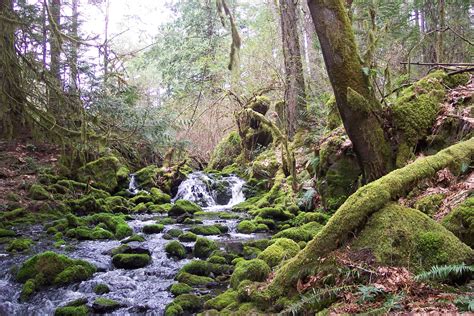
(55, 55)
(12, 99)
(294, 87)
(360, 111)
(74, 47)
(440, 35)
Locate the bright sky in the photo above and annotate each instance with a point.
(137, 21)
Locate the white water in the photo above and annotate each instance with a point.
(201, 189)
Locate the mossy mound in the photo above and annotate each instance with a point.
(50, 268)
(184, 303)
(187, 237)
(153, 228)
(429, 204)
(175, 249)
(281, 250)
(6, 233)
(222, 300)
(102, 173)
(205, 268)
(207, 230)
(103, 305)
(193, 280)
(19, 245)
(130, 261)
(305, 232)
(182, 207)
(461, 221)
(38, 192)
(226, 151)
(402, 236)
(159, 197)
(253, 270)
(81, 310)
(180, 288)
(204, 247)
(246, 227)
(101, 288)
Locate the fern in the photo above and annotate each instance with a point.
(316, 297)
(445, 273)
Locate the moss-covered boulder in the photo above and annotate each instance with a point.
(153, 228)
(81, 310)
(50, 268)
(38, 192)
(204, 247)
(147, 177)
(175, 249)
(19, 245)
(222, 300)
(461, 221)
(429, 204)
(159, 197)
(206, 230)
(182, 207)
(226, 151)
(7, 233)
(188, 303)
(104, 305)
(281, 250)
(85, 233)
(194, 280)
(131, 261)
(101, 288)
(253, 270)
(397, 235)
(102, 173)
(187, 237)
(180, 288)
(246, 227)
(305, 232)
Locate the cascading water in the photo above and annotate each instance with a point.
(143, 291)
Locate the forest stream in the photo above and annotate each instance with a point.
(144, 290)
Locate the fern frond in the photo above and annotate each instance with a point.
(443, 273)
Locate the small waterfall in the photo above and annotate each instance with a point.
(132, 185)
(208, 190)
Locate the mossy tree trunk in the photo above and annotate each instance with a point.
(55, 55)
(12, 99)
(294, 79)
(360, 111)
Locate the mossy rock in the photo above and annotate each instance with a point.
(246, 227)
(222, 300)
(101, 288)
(81, 310)
(204, 247)
(85, 233)
(194, 280)
(159, 197)
(180, 288)
(153, 228)
(187, 237)
(275, 213)
(134, 238)
(226, 151)
(38, 192)
(146, 177)
(175, 249)
(102, 172)
(206, 230)
(182, 207)
(429, 204)
(189, 303)
(19, 245)
(142, 197)
(131, 261)
(6, 233)
(174, 232)
(305, 232)
(281, 250)
(204, 268)
(461, 221)
(397, 235)
(103, 305)
(50, 268)
(254, 270)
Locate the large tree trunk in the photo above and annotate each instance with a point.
(12, 118)
(360, 111)
(294, 88)
(55, 56)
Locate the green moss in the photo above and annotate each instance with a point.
(175, 249)
(6, 233)
(275, 213)
(181, 207)
(188, 302)
(407, 237)
(226, 151)
(28, 289)
(174, 232)
(281, 250)
(146, 177)
(204, 247)
(101, 173)
(206, 230)
(101, 288)
(187, 236)
(246, 227)
(130, 261)
(429, 204)
(305, 232)
(204, 268)
(180, 288)
(453, 81)
(81, 310)
(193, 280)
(307, 217)
(50, 268)
(159, 197)
(217, 259)
(222, 301)
(137, 238)
(461, 221)
(253, 270)
(153, 228)
(38, 192)
(333, 117)
(85, 233)
(105, 305)
(173, 310)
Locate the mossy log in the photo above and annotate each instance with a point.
(353, 214)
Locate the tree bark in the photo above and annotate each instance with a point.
(12, 98)
(294, 87)
(55, 55)
(359, 110)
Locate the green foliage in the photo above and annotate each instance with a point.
(317, 299)
(446, 273)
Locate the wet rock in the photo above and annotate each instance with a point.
(131, 261)
(104, 305)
